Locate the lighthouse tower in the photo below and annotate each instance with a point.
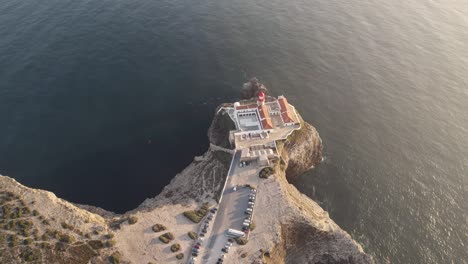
(261, 98)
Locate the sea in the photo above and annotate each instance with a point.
(103, 101)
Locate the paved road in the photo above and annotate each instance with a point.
(230, 214)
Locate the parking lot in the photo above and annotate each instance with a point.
(231, 212)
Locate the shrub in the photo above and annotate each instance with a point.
(192, 235)
(13, 241)
(110, 243)
(45, 222)
(16, 213)
(158, 228)
(64, 225)
(175, 247)
(252, 226)
(132, 220)
(244, 255)
(241, 240)
(180, 256)
(96, 244)
(166, 238)
(115, 258)
(27, 241)
(44, 245)
(109, 236)
(66, 238)
(24, 224)
(266, 172)
(197, 215)
(35, 212)
(44, 237)
(29, 255)
(60, 246)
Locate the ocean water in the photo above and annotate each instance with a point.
(103, 102)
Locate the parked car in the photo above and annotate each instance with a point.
(234, 188)
(214, 210)
(248, 212)
(230, 240)
(220, 260)
(225, 250)
(228, 244)
(201, 235)
(194, 254)
(197, 246)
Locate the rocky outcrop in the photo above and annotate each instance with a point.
(252, 88)
(302, 151)
(292, 227)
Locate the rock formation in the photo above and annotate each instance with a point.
(293, 228)
(251, 88)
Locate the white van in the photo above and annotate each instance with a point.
(234, 233)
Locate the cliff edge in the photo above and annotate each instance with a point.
(289, 226)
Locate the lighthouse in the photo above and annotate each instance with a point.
(261, 98)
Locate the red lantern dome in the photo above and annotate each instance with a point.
(261, 96)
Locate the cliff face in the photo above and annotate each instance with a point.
(290, 227)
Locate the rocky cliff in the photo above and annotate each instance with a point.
(292, 229)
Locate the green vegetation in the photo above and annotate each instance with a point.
(67, 226)
(197, 215)
(60, 246)
(192, 235)
(180, 256)
(266, 172)
(35, 212)
(12, 241)
(252, 226)
(166, 238)
(175, 247)
(249, 186)
(96, 244)
(241, 240)
(66, 238)
(27, 241)
(44, 245)
(115, 258)
(158, 228)
(132, 220)
(110, 243)
(29, 255)
(109, 236)
(83, 252)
